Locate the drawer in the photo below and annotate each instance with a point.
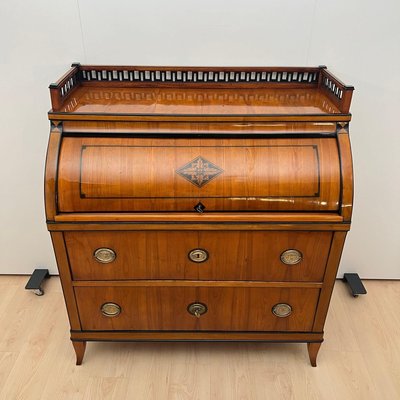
(229, 255)
(167, 308)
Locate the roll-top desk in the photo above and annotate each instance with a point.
(194, 203)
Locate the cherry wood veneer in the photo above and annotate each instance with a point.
(108, 174)
(164, 255)
(132, 151)
(165, 308)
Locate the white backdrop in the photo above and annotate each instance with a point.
(359, 40)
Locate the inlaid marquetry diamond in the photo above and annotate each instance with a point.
(199, 171)
(342, 127)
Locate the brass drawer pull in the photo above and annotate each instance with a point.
(198, 255)
(291, 257)
(282, 310)
(110, 309)
(197, 309)
(104, 255)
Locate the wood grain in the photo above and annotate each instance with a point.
(358, 362)
(232, 255)
(329, 279)
(79, 347)
(205, 218)
(206, 101)
(68, 91)
(165, 308)
(198, 283)
(60, 251)
(347, 176)
(193, 336)
(50, 174)
(270, 160)
(195, 225)
(107, 117)
(108, 175)
(184, 128)
(313, 349)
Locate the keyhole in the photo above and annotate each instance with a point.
(199, 207)
(197, 309)
(198, 255)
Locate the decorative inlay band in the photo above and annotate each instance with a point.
(199, 171)
(203, 76)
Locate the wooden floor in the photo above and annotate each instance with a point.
(360, 358)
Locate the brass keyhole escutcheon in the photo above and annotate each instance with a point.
(197, 309)
(282, 310)
(104, 255)
(110, 309)
(198, 255)
(291, 257)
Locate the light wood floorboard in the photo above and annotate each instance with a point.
(360, 358)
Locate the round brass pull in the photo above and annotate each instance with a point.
(291, 257)
(104, 255)
(282, 310)
(110, 309)
(197, 309)
(198, 255)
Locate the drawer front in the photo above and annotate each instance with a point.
(205, 255)
(167, 308)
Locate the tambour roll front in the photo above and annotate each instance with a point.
(194, 203)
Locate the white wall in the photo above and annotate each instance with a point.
(358, 40)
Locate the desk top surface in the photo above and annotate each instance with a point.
(199, 101)
(199, 93)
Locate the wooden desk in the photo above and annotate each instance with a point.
(193, 203)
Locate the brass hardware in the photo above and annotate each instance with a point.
(291, 257)
(110, 309)
(198, 255)
(104, 255)
(197, 309)
(282, 310)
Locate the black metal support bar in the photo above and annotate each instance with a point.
(36, 280)
(354, 283)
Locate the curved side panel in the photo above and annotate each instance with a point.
(50, 175)
(346, 163)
